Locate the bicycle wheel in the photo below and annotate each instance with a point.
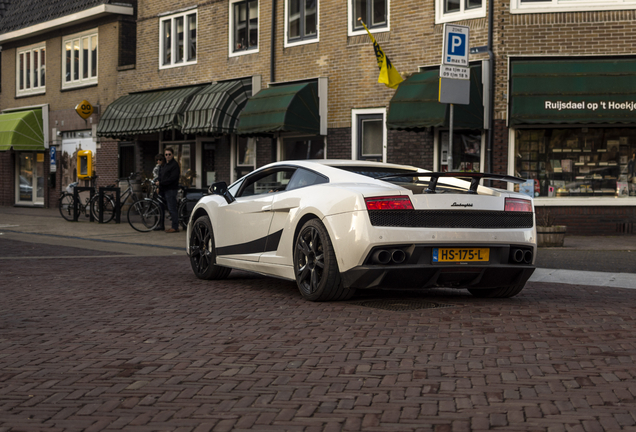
(66, 206)
(144, 215)
(184, 215)
(108, 208)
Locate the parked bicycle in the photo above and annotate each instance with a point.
(91, 205)
(147, 214)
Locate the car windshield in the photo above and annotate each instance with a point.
(392, 175)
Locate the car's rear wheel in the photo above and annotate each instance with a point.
(202, 251)
(501, 292)
(315, 265)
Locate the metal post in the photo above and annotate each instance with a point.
(450, 141)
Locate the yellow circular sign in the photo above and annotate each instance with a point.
(84, 109)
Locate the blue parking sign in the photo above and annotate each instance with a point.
(456, 45)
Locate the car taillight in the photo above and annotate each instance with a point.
(389, 203)
(518, 204)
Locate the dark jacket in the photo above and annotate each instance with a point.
(169, 176)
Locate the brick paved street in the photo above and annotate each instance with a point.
(138, 344)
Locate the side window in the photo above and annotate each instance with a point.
(178, 35)
(301, 20)
(303, 177)
(31, 70)
(243, 26)
(374, 13)
(79, 65)
(266, 182)
(454, 10)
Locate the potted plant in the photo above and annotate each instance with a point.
(549, 234)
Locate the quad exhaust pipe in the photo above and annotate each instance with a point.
(384, 256)
(522, 256)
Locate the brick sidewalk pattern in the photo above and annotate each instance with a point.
(140, 344)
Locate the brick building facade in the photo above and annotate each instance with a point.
(593, 36)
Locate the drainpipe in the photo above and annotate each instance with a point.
(491, 96)
(272, 58)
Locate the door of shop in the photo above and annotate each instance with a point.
(29, 182)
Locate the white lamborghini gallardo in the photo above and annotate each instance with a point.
(335, 226)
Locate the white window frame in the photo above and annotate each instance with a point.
(305, 40)
(354, 130)
(350, 18)
(231, 51)
(518, 6)
(462, 14)
(23, 51)
(81, 81)
(186, 39)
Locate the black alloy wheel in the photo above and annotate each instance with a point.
(202, 252)
(315, 265)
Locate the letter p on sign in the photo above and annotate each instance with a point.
(458, 45)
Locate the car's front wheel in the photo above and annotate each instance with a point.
(315, 265)
(202, 251)
(501, 292)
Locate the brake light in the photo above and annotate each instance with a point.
(518, 205)
(389, 203)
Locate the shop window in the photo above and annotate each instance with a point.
(539, 6)
(31, 70)
(454, 10)
(30, 181)
(466, 151)
(79, 65)
(245, 156)
(577, 162)
(243, 27)
(178, 45)
(374, 13)
(303, 148)
(301, 21)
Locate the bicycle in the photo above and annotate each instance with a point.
(148, 214)
(67, 205)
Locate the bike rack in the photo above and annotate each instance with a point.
(76, 202)
(117, 203)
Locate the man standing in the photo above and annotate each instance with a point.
(169, 187)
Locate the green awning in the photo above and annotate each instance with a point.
(582, 91)
(415, 104)
(143, 113)
(22, 130)
(216, 108)
(284, 108)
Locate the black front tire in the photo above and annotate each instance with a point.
(144, 215)
(203, 253)
(108, 208)
(501, 292)
(315, 265)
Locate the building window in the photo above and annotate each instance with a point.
(31, 70)
(369, 134)
(577, 162)
(466, 151)
(454, 10)
(243, 27)
(80, 60)
(539, 6)
(301, 21)
(178, 43)
(374, 13)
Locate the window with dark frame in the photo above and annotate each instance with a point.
(372, 12)
(245, 25)
(302, 20)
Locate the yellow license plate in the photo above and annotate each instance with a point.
(461, 254)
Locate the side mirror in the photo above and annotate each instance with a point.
(220, 188)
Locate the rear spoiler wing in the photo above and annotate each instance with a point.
(475, 178)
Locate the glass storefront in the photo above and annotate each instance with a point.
(466, 151)
(577, 162)
(30, 181)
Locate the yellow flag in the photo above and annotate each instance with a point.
(389, 75)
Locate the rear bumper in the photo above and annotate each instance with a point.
(428, 276)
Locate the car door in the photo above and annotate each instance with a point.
(242, 226)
